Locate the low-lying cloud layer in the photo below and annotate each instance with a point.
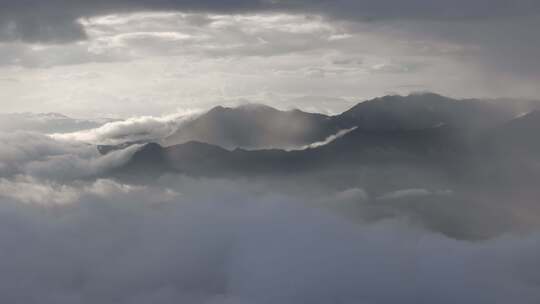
(122, 244)
(40, 156)
(68, 236)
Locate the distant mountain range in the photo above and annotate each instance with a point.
(426, 156)
(256, 126)
(419, 131)
(356, 148)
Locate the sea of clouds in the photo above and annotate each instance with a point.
(71, 234)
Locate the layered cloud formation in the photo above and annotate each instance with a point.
(136, 129)
(70, 233)
(75, 230)
(38, 155)
(128, 244)
(54, 20)
(118, 57)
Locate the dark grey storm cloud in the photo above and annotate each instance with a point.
(56, 20)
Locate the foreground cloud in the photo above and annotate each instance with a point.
(28, 190)
(112, 244)
(69, 235)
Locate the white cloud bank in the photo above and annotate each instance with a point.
(144, 128)
(69, 237)
(40, 156)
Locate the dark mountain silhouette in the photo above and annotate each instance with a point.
(431, 146)
(106, 149)
(425, 133)
(427, 159)
(255, 126)
(420, 111)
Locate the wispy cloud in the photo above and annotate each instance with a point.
(329, 139)
(145, 128)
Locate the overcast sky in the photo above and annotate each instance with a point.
(124, 58)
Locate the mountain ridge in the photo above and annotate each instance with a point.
(258, 126)
(440, 145)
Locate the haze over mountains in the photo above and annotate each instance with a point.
(437, 137)
(255, 126)
(398, 186)
(420, 147)
(417, 125)
(425, 129)
(424, 156)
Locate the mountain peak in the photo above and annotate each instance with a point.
(430, 95)
(150, 149)
(419, 97)
(247, 107)
(255, 107)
